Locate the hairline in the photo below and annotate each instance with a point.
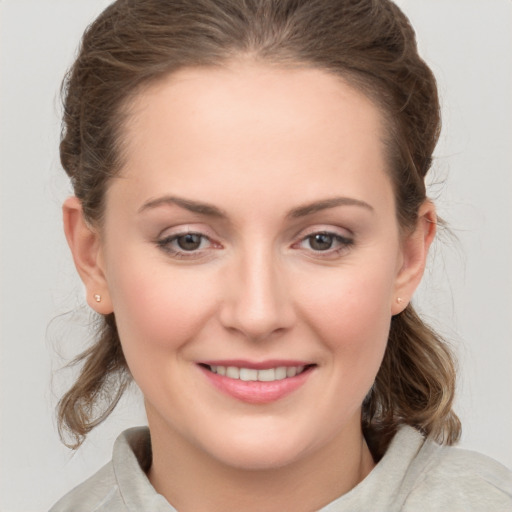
(363, 83)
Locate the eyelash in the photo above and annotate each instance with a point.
(166, 244)
(343, 242)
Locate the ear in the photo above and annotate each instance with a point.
(415, 248)
(85, 244)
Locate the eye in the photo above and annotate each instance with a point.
(321, 241)
(325, 241)
(185, 245)
(189, 242)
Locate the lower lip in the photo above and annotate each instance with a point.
(256, 392)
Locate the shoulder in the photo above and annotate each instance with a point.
(442, 477)
(99, 492)
(122, 484)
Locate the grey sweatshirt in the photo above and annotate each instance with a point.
(415, 475)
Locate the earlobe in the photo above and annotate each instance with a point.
(414, 251)
(85, 244)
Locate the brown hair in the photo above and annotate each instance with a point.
(369, 43)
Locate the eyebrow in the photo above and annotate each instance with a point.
(192, 206)
(325, 204)
(212, 211)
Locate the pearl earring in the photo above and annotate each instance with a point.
(97, 298)
(399, 300)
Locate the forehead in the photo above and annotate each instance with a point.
(252, 125)
(264, 96)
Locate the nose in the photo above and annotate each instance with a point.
(257, 302)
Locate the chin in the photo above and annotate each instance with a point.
(261, 449)
(259, 457)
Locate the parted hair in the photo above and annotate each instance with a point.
(368, 43)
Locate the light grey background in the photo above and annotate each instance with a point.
(467, 294)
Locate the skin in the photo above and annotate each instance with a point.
(256, 143)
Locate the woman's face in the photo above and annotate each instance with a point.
(252, 235)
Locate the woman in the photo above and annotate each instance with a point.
(250, 219)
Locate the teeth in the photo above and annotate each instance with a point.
(291, 371)
(232, 372)
(267, 375)
(281, 373)
(250, 374)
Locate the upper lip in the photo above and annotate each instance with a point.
(256, 365)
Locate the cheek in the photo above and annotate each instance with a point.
(350, 311)
(156, 306)
(353, 322)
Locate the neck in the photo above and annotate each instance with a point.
(193, 481)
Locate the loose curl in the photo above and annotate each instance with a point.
(368, 43)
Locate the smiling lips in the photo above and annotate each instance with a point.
(257, 385)
(252, 374)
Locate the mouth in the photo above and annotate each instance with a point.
(257, 383)
(260, 375)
